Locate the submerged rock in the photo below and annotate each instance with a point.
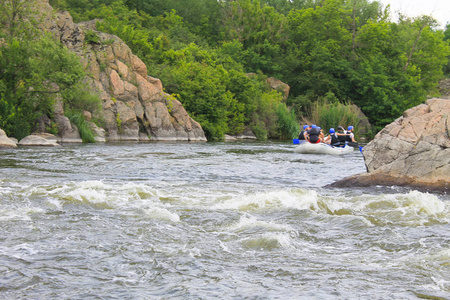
(414, 150)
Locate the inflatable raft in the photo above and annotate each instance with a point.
(321, 148)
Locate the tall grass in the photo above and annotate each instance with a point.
(287, 124)
(84, 128)
(330, 115)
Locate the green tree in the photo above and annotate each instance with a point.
(446, 68)
(259, 28)
(29, 84)
(399, 65)
(341, 50)
(318, 59)
(202, 89)
(202, 17)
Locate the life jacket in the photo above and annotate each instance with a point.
(301, 135)
(335, 140)
(342, 138)
(349, 136)
(313, 134)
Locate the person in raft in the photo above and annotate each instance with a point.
(321, 134)
(342, 136)
(332, 139)
(313, 135)
(350, 135)
(302, 133)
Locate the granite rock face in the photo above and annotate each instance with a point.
(134, 105)
(414, 150)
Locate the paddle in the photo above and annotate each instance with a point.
(352, 144)
(355, 145)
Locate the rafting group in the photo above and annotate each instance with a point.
(314, 134)
(313, 140)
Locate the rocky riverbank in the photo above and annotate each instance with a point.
(413, 151)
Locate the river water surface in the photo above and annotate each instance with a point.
(212, 220)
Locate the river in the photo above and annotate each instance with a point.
(237, 220)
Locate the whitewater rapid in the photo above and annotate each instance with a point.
(219, 220)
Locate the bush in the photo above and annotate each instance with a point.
(91, 37)
(330, 115)
(83, 126)
(287, 124)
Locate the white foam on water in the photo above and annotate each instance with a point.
(192, 252)
(224, 247)
(412, 209)
(268, 241)
(140, 198)
(22, 213)
(272, 200)
(14, 214)
(96, 192)
(20, 251)
(162, 214)
(436, 264)
(248, 221)
(424, 204)
(54, 204)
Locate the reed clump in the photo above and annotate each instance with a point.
(328, 115)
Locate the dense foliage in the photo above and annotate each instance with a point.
(34, 71)
(347, 51)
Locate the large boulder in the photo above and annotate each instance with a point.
(39, 139)
(278, 85)
(414, 150)
(6, 142)
(247, 134)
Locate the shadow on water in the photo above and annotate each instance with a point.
(304, 161)
(9, 163)
(255, 152)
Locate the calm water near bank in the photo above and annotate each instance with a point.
(240, 220)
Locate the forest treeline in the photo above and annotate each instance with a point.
(332, 53)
